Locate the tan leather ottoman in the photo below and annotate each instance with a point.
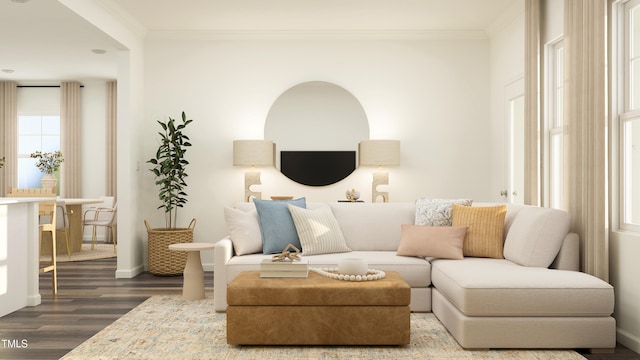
(317, 311)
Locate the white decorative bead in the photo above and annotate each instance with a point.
(332, 273)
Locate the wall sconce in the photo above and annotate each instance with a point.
(253, 153)
(379, 153)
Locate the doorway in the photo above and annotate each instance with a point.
(514, 98)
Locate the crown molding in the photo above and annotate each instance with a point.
(506, 18)
(317, 34)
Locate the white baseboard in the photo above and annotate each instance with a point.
(629, 340)
(130, 273)
(34, 300)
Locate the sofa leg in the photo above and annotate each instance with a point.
(601, 350)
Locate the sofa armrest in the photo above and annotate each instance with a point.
(222, 253)
(568, 257)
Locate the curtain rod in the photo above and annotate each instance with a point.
(41, 86)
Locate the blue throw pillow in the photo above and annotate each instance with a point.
(276, 224)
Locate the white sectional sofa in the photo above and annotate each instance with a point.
(534, 297)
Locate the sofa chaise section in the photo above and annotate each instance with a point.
(497, 303)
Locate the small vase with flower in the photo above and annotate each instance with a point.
(48, 163)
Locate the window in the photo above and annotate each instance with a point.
(35, 132)
(555, 124)
(629, 120)
(630, 161)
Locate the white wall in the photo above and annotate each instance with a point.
(129, 36)
(431, 94)
(39, 100)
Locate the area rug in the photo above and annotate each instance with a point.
(100, 251)
(167, 327)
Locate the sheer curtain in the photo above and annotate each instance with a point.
(70, 138)
(8, 133)
(585, 144)
(111, 115)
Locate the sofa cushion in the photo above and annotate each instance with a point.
(244, 230)
(373, 226)
(415, 271)
(536, 235)
(485, 229)
(444, 242)
(318, 230)
(436, 212)
(499, 287)
(276, 225)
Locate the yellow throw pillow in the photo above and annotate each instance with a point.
(485, 229)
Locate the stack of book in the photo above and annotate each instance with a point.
(269, 268)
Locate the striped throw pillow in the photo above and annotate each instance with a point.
(485, 229)
(318, 231)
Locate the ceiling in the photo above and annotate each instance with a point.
(39, 37)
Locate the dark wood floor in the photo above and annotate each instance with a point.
(90, 298)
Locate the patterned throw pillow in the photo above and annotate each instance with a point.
(436, 212)
(276, 225)
(318, 230)
(485, 229)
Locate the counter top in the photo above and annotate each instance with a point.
(18, 200)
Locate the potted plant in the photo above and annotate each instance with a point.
(48, 163)
(169, 168)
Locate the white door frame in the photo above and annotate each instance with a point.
(514, 143)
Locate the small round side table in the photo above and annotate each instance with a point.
(193, 286)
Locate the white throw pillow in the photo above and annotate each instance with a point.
(318, 231)
(436, 212)
(536, 235)
(244, 230)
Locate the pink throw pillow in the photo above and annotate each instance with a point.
(443, 242)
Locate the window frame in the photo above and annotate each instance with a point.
(554, 128)
(622, 111)
(20, 155)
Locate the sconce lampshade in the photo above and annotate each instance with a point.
(379, 152)
(253, 153)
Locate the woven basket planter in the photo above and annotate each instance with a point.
(162, 261)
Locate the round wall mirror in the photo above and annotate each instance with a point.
(316, 127)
